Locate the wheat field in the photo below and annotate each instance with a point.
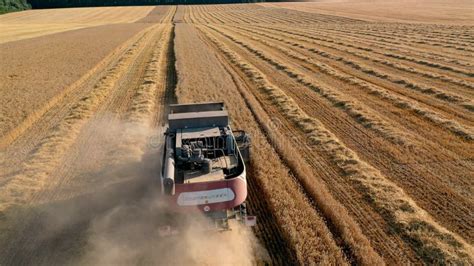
(35, 23)
(362, 127)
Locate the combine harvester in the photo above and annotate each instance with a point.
(203, 166)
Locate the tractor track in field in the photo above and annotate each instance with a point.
(171, 79)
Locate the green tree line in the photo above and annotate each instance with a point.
(18, 5)
(83, 3)
(13, 5)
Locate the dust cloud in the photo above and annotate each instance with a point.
(128, 234)
(112, 212)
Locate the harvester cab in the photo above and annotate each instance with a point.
(204, 164)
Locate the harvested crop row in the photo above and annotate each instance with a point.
(426, 74)
(267, 230)
(407, 83)
(269, 16)
(451, 63)
(35, 174)
(273, 16)
(411, 38)
(417, 50)
(311, 38)
(427, 148)
(413, 222)
(437, 32)
(143, 101)
(409, 53)
(449, 97)
(433, 181)
(412, 49)
(19, 151)
(329, 38)
(125, 120)
(289, 85)
(463, 131)
(400, 36)
(206, 17)
(402, 121)
(406, 40)
(76, 56)
(431, 12)
(195, 16)
(361, 115)
(145, 104)
(364, 117)
(334, 39)
(169, 79)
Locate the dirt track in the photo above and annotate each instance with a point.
(362, 132)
